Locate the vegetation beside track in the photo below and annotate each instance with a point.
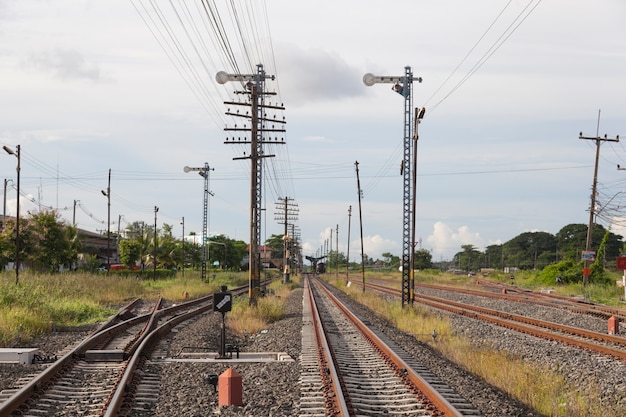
(543, 389)
(43, 302)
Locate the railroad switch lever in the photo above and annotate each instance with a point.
(434, 335)
(222, 302)
(212, 379)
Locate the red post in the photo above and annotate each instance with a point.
(230, 388)
(613, 325)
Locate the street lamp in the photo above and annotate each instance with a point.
(183, 245)
(4, 210)
(154, 251)
(17, 217)
(107, 194)
(225, 249)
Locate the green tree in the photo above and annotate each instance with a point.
(525, 250)
(423, 259)
(468, 259)
(391, 260)
(130, 252)
(53, 244)
(277, 244)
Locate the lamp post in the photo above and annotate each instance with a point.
(154, 252)
(4, 210)
(225, 249)
(17, 217)
(183, 245)
(107, 194)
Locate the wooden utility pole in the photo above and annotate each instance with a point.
(286, 211)
(588, 253)
(254, 87)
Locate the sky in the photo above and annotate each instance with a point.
(88, 87)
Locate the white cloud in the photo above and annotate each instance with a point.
(446, 242)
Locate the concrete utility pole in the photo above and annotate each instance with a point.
(204, 173)
(588, 253)
(337, 254)
(254, 85)
(348, 250)
(358, 184)
(107, 194)
(403, 86)
(419, 115)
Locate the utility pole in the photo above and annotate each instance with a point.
(204, 173)
(107, 194)
(419, 115)
(358, 184)
(403, 86)
(74, 213)
(254, 87)
(154, 249)
(337, 255)
(286, 210)
(183, 244)
(588, 254)
(348, 250)
(117, 240)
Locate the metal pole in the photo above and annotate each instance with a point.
(17, 221)
(183, 245)
(348, 250)
(107, 193)
(4, 207)
(154, 251)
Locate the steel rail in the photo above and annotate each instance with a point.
(14, 402)
(523, 324)
(438, 401)
(106, 331)
(120, 398)
(338, 400)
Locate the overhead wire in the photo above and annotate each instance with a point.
(495, 46)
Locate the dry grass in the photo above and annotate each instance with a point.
(253, 319)
(545, 390)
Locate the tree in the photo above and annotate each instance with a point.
(525, 250)
(391, 260)
(422, 259)
(277, 244)
(54, 244)
(130, 252)
(469, 259)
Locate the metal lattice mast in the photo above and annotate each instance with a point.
(257, 190)
(403, 86)
(204, 173)
(406, 187)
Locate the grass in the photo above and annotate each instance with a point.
(249, 319)
(41, 302)
(545, 390)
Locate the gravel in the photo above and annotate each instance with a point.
(271, 389)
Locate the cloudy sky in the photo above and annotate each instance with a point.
(90, 86)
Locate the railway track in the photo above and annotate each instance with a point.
(610, 345)
(504, 291)
(363, 373)
(101, 376)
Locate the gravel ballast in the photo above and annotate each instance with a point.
(271, 389)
